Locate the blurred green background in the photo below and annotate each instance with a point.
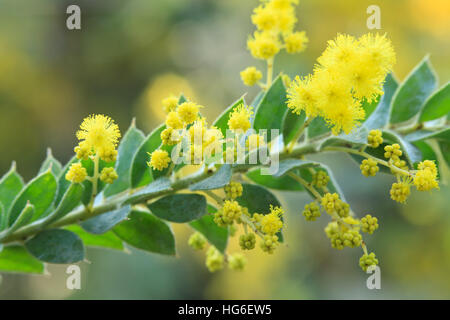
(131, 54)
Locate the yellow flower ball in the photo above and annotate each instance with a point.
(250, 76)
(170, 104)
(159, 160)
(296, 42)
(174, 121)
(240, 118)
(188, 112)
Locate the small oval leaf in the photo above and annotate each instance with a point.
(410, 97)
(10, 186)
(438, 105)
(179, 207)
(144, 231)
(140, 172)
(56, 246)
(128, 146)
(40, 192)
(218, 180)
(106, 221)
(15, 258)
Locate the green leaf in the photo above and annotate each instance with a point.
(356, 138)
(153, 189)
(179, 208)
(217, 236)
(51, 162)
(420, 135)
(140, 172)
(427, 151)
(3, 218)
(131, 141)
(218, 180)
(410, 97)
(70, 200)
(106, 221)
(257, 99)
(292, 122)
(445, 150)
(144, 231)
(317, 127)
(10, 186)
(107, 240)
(411, 153)
(40, 192)
(270, 112)
(438, 105)
(269, 181)
(222, 121)
(257, 199)
(287, 165)
(15, 258)
(380, 116)
(56, 246)
(23, 218)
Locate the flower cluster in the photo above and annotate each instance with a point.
(311, 211)
(349, 71)
(186, 128)
(275, 22)
(98, 136)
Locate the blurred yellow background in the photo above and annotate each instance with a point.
(129, 55)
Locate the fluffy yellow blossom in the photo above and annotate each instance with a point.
(108, 175)
(340, 52)
(271, 223)
(240, 118)
(159, 160)
(377, 52)
(170, 104)
(302, 96)
(188, 111)
(99, 132)
(77, 173)
(174, 121)
(296, 42)
(250, 76)
(426, 179)
(344, 117)
(263, 45)
(263, 18)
